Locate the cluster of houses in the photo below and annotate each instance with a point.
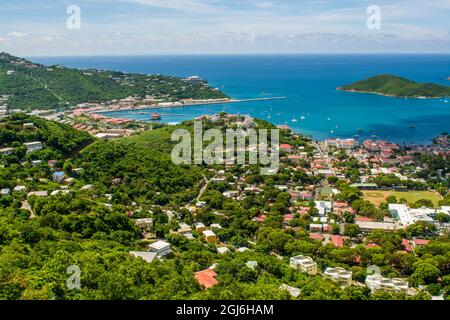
(29, 146)
(343, 277)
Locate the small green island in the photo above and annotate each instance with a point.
(394, 86)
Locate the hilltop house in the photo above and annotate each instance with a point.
(145, 255)
(304, 264)
(339, 275)
(209, 236)
(6, 151)
(33, 146)
(206, 278)
(145, 224)
(59, 176)
(377, 282)
(161, 248)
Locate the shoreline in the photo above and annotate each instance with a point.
(181, 105)
(387, 95)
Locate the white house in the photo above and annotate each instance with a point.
(6, 151)
(144, 255)
(408, 216)
(199, 226)
(19, 188)
(378, 282)
(145, 224)
(293, 291)
(161, 248)
(223, 250)
(323, 207)
(42, 194)
(33, 146)
(304, 264)
(339, 275)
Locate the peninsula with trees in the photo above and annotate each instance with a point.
(29, 85)
(394, 86)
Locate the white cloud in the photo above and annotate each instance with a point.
(17, 35)
(181, 5)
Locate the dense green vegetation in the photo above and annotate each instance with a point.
(133, 177)
(391, 85)
(138, 168)
(37, 86)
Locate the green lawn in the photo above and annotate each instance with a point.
(377, 197)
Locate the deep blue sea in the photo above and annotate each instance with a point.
(309, 82)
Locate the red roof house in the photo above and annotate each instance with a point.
(316, 236)
(337, 240)
(286, 147)
(407, 245)
(206, 278)
(420, 242)
(288, 217)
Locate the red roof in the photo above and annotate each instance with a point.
(288, 217)
(407, 245)
(340, 204)
(206, 278)
(260, 218)
(285, 146)
(420, 242)
(372, 245)
(337, 240)
(365, 219)
(316, 236)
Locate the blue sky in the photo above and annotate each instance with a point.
(123, 27)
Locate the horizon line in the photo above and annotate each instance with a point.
(234, 54)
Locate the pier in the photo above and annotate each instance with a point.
(233, 101)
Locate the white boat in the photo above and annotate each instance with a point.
(294, 120)
(303, 117)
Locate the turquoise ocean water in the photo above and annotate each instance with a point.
(309, 82)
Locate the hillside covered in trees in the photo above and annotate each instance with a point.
(31, 86)
(395, 86)
(90, 222)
